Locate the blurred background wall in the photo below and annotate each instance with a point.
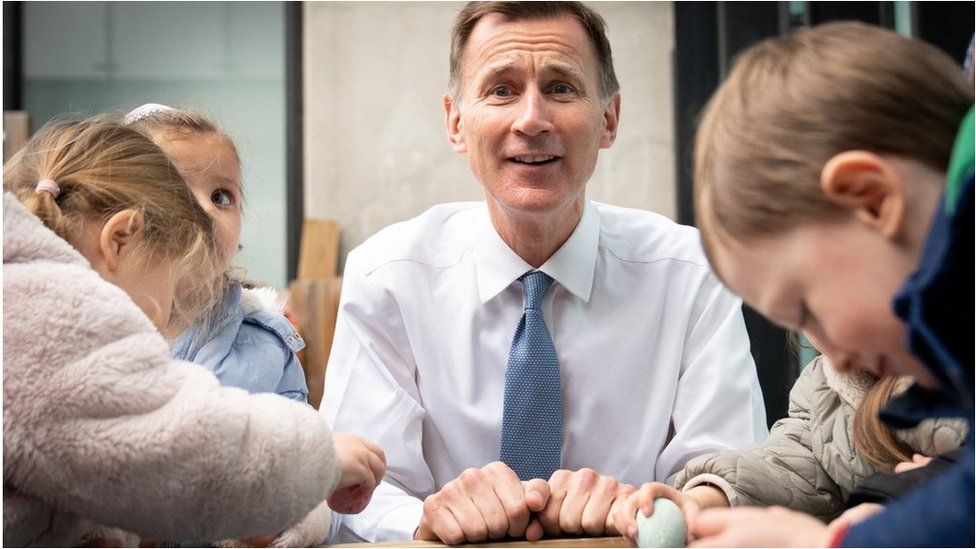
(225, 59)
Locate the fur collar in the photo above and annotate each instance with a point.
(255, 299)
(853, 385)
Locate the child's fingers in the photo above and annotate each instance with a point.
(711, 522)
(377, 464)
(623, 516)
(651, 490)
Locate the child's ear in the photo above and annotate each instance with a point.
(118, 235)
(452, 115)
(868, 184)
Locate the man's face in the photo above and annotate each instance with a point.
(529, 113)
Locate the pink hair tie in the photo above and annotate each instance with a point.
(47, 186)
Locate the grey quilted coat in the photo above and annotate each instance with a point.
(809, 463)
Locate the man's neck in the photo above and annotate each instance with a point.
(535, 237)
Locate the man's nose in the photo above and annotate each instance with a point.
(534, 116)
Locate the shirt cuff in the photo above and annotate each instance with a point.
(716, 481)
(400, 523)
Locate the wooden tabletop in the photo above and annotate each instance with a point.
(543, 543)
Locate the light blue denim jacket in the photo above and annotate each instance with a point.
(251, 345)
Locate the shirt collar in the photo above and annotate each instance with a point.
(573, 264)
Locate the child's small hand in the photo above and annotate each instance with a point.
(624, 516)
(859, 513)
(363, 466)
(918, 460)
(760, 527)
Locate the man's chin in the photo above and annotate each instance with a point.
(530, 200)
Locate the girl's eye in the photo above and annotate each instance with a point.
(221, 197)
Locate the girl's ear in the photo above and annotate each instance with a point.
(869, 185)
(117, 237)
(452, 115)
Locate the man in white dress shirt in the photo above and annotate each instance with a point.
(651, 354)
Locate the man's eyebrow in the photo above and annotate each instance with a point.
(563, 71)
(492, 73)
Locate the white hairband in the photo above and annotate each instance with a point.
(144, 111)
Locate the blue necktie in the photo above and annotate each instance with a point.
(532, 422)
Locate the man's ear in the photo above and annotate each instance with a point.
(117, 237)
(868, 184)
(611, 121)
(452, 115)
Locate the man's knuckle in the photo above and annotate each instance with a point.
(569, 525)
(478, 532)
(591, 526)
(559, 476)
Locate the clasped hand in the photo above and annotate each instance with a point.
(492, 503)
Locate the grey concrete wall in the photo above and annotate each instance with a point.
(375, 145)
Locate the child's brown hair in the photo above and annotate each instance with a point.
(872, 439)
(102, 168)
(790, 104)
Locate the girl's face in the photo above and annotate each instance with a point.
(213, 172)
(835, 281)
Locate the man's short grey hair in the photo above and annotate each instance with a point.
(516, 11)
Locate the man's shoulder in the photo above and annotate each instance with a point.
(640, 236)
(436, 238)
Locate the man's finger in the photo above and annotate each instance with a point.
(439, 525)
(549, 516)
(469, 517)
(534, 531)
(493, 512)
(580, 489)
(537, 494)
(597, 509)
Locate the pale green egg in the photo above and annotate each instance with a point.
(664, 528)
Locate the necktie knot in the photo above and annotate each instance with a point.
(535, 285)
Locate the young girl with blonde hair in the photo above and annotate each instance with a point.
(245, 339)
(104, 248)
(833, 179)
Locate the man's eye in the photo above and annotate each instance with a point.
(221, 197)
(560, 89)
(501, 91)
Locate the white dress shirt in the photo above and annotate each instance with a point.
(653, 352)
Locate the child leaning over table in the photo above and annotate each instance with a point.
(830, 167)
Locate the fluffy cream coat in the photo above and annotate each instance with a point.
(101, 427)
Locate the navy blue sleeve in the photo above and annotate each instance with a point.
(939, 514)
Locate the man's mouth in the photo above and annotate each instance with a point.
(534, 160)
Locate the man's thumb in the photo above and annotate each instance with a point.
(537, 494)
